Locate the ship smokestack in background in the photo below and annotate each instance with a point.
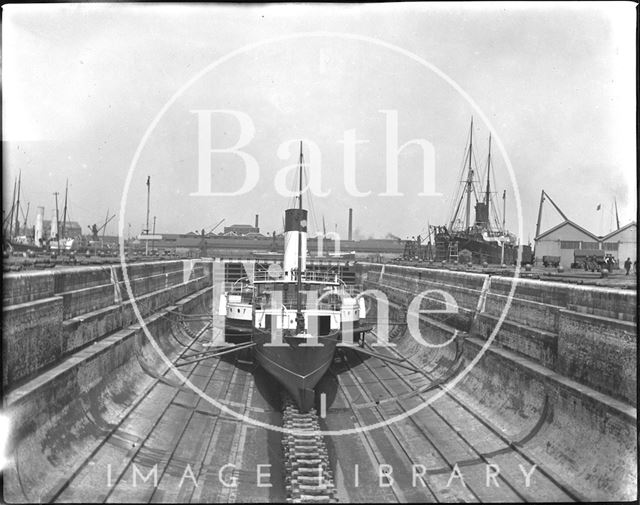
(257, 221)
(39, 233)
(54, 225)
(350, 224)
(295, 228)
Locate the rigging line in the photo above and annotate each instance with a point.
(457, 200)
(461, 170)
(475, 190)
(314, 214)
(312, 205)
(464, 176)
(310, 200)
(291, 202)
(496, 218)
(292, 198)
(497, 211)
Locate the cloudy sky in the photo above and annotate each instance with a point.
(84, 85)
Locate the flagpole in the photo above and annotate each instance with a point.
(504, 217)
(146, 248)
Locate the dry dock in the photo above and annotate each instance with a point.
(542, 409)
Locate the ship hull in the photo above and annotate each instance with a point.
(238, 314)
(481, 250)
(237, 331)
(297, 368)
(19, 247)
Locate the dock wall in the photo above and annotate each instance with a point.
(47, 315)
(75, 359)
(558, 378)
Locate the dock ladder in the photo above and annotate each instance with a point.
(453, 251)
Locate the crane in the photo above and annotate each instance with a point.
(416, 247)
(203, 242)
(95, 230)
(218, 224)
(106, 222)
(542, 196)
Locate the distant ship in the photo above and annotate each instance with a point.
(297, 316)
(13, 240)
(34, 241)
(486, 238)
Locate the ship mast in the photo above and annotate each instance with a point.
(13, 206)
(486, 196)
(299, 315)
(469, 180)
(17, 211)
(64, 212)
(504, 212)
(57, 237)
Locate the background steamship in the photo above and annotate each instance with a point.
(486, 239)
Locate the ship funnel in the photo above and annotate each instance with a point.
(54, 225)
(295, 229)
(482, 214)
(39, 234)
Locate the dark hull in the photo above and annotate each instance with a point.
(25, 247)
(481, 250)
(297, 368)
(237, 331)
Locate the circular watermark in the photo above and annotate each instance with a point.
(302, 35)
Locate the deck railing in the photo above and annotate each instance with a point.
(307, 276)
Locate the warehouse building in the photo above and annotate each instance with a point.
(622, 243)
(563, 240)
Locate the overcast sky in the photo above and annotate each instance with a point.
(83, 83)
